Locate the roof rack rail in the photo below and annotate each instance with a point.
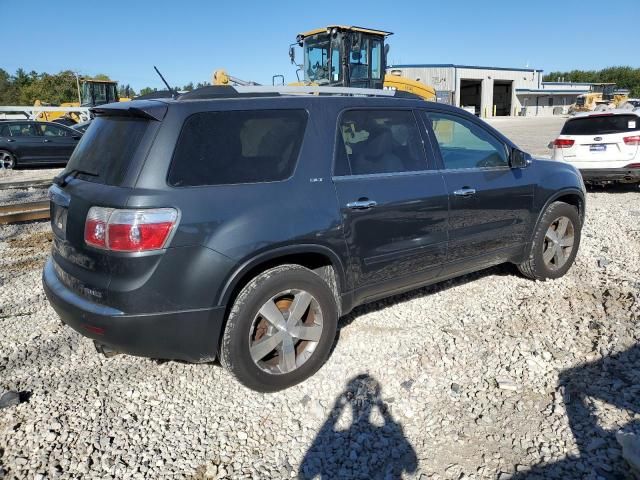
(317, 90)
(228, 91)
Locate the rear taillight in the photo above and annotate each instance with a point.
(129, 230)
(633, 165)
(633, 140)
(563, 143)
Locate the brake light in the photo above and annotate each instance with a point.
(633, 140)
(129, 230)
(563, 143)
(633, 165)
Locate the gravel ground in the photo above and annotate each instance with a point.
(22, 175)
(9, 196)
(486, 376)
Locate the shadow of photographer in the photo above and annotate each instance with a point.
(371, 445)
(611, 382)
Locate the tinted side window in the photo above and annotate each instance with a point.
(53, 131)
(464, 144)
(218, 148)
(4, 131)
(601, 125)
(379, 141)
(23, 130)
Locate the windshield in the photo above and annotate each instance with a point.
(316, 59)
(85, 94)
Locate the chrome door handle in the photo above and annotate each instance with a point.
(464, 192)
(362, 204)
(46, 141)
(10, 140)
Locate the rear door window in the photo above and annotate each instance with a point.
(106, 150)
(225, 148)
(378, 142)
(23, 130)
(54, 131)
(601, 125)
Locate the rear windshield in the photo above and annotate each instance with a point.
(600, 125)
(105, 151)
(222, 148)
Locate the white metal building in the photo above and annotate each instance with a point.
(494, 91)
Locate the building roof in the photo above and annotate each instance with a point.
(588, 84)
(542, 91)
(452, 65)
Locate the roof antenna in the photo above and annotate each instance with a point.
(173, 91)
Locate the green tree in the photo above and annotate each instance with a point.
(147, 90)
(623, 77)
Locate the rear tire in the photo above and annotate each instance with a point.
(555, 243)
(291, 340)
(7, 160)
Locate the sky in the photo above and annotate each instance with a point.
(188, 40)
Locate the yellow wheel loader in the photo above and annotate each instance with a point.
(343, 56)
(349, 56)
(602, 96)
(91, 92)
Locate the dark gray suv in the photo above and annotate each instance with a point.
(240, 224)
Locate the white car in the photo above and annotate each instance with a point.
(604, 146)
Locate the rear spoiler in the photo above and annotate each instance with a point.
(149, 109)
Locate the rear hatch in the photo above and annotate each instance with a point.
(599, 140)
(101, 171)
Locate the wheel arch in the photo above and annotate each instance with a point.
(572, 196)
(312, 256)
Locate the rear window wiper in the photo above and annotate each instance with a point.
(62, 179)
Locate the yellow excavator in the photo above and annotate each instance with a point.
(343, 56)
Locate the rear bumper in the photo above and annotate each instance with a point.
(611, 174)
(190, 335)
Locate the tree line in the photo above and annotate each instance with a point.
(623, 77)
(24, 88)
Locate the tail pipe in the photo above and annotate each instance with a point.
(105, 350)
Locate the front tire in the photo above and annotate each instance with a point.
(555, 243)
(7, 160)
(280, 329)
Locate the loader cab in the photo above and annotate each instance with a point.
(605, 89)
(343, 56)
(97, 92)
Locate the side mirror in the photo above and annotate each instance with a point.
(292, 55)
(386, 50)
(550, 145)
(519, 159)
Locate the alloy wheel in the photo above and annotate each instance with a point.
(558, 243)
(285, 332)
(7, 160)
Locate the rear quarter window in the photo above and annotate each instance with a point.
(223, 148)
(601, 125)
